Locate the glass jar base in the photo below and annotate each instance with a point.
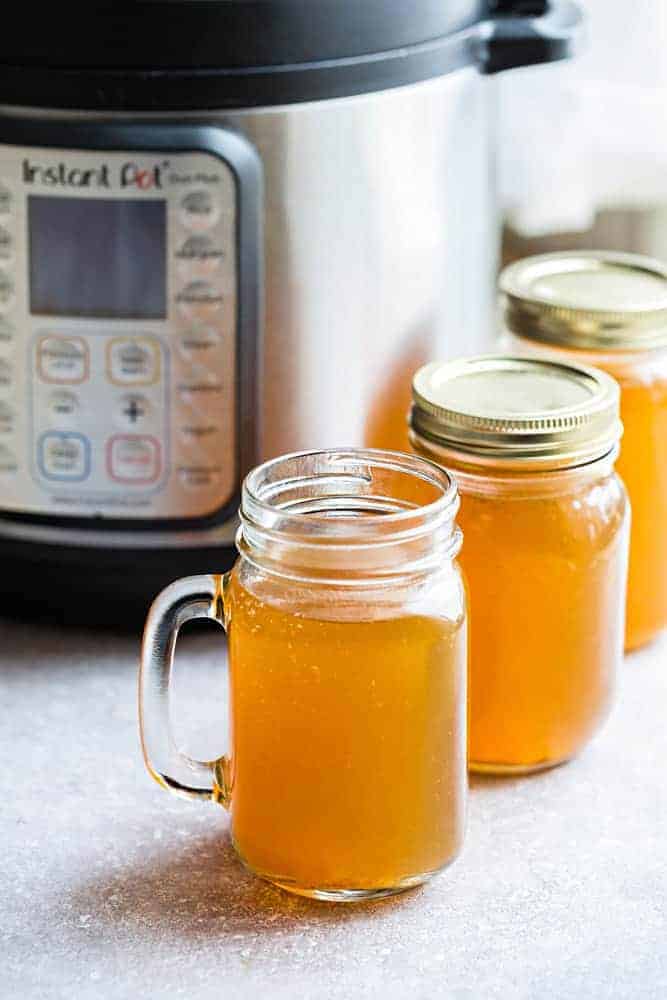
(515, 770)
(333, 894)
(349, 895)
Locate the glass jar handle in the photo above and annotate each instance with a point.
(191, 597)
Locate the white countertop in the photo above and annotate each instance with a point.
(110, 888)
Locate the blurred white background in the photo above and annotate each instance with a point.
(583, 149)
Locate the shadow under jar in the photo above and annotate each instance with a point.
(345, 614)
(532, 444)
(610, 310)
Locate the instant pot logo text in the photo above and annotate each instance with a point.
(144, 178)
(62, 175)
(131, 175)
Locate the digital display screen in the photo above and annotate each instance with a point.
(98, 257)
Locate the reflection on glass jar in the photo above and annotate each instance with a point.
(532, 446)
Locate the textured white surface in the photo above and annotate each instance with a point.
(112, 889)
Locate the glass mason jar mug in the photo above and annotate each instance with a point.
(610, 310)
(532, 445)
(345, 615)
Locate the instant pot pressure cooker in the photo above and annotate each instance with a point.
(227, 230)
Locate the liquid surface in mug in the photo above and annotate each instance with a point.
(546, 588)
(348, 744)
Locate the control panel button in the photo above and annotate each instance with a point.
(6, 331)
(5, 200)
(200, 301)
(5, 373)
(199, 210)
(8, 462)
(199, 477)
(6, 245)
(6, 291)
(64, 360)
(63, 407)
(133, 459)
(6, 417)
(193, 408)
(198, 343)
(198, 385)
(193, 434)
(133, 411)
(200, 378)
(199, 257)
(133, 361)
(64, 456)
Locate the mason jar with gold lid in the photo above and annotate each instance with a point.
(532, 445)
(610, 309)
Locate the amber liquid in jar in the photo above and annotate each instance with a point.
(346, 619)
(532, 444)
(545, 566)
(349, 742)
(609, 309)
(642, 465)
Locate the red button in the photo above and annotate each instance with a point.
(133, 459)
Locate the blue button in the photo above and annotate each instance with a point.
(64, 457)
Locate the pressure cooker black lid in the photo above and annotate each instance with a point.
(192, 54)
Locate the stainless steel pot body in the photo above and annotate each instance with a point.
(380, 232)
(381, 239)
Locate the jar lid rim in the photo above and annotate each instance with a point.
(591, 299)
(527, 412)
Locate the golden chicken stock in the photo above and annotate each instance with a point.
(545, 520)
(546, 575)
(346, 620)
(348, 744)
(610, 310)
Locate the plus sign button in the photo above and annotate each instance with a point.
(133, 411)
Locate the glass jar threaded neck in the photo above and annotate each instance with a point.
(348, 515)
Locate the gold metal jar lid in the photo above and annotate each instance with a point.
(515, 411)
(599, 300)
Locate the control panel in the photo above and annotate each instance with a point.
(118, 332)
